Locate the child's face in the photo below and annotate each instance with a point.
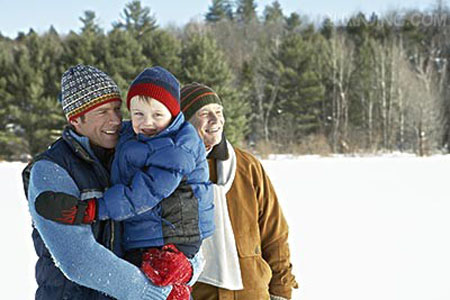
(149, 116)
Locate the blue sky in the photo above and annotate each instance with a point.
(21, 15)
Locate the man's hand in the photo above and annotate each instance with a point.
(65, 209)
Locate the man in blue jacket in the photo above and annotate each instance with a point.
(81, 262)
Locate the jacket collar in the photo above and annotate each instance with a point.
(220, 151)
(80, 144)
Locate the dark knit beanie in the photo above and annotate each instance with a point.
(159, 84)
(84, 88)
(194, 96)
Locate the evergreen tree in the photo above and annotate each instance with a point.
(52, 31)
(253, 86)
(358, 29)
(246, 11)
(362, 109)
(411, 31)
(52, 62)
(327, 29)
(293, 22)
(297, 106)
(162, 48)
(137, 19)
(203, 62)
(89, 23)
(219, 10)
(87, 47)
(123, 58)
(8, 140)
(273, 13)
(380, 29)
(33, 112)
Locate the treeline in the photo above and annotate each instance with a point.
(289, 84)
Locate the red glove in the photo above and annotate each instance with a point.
(66, 209)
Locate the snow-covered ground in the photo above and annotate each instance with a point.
(360, 228)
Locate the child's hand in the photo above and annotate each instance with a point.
(166, 266)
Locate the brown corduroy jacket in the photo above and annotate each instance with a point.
(261, 235)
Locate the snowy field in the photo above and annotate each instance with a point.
(375, 228)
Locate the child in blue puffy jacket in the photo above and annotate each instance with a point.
(158, 152)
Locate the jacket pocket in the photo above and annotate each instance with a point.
(255, 271)
(248, 244)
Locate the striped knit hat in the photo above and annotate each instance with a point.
(194, 96)
(159, 84)
(84, 88)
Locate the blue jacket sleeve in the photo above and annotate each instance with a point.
(74, 249)
(164, 172)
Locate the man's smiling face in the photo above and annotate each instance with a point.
(209, 122)
(101, 125)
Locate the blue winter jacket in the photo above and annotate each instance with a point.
(147, 170)
(72, 263)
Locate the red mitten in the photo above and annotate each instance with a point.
(180, 292)
(166, 266)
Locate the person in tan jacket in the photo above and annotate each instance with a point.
(248, 257)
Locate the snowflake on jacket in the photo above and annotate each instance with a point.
(145, 172)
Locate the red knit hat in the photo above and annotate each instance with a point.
(159, 84)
